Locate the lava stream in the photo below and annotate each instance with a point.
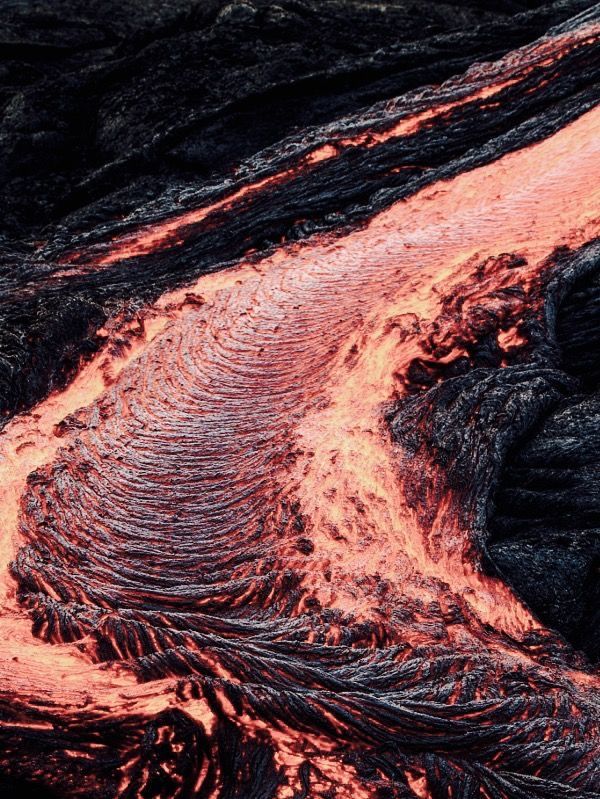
(218, 568)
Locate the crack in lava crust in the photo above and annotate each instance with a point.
(229, 523)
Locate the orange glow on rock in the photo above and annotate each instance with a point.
(538, 56)
(241, 420)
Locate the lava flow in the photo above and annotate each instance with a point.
(273, 536)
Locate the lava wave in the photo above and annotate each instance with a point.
(312, 511)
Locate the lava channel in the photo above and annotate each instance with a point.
(244, 550)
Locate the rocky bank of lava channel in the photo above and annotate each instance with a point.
(299, 380)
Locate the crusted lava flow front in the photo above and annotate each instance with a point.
(253, 562)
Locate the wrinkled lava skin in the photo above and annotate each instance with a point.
(299, 380)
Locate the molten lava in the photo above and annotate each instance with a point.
(242, 551)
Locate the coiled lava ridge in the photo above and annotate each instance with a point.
(253, 562)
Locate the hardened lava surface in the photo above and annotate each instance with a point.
(300, 452)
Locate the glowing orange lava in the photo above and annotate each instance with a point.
(255, 400)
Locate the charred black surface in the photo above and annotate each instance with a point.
(578, 330)
(23, 789)
(545, 532)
